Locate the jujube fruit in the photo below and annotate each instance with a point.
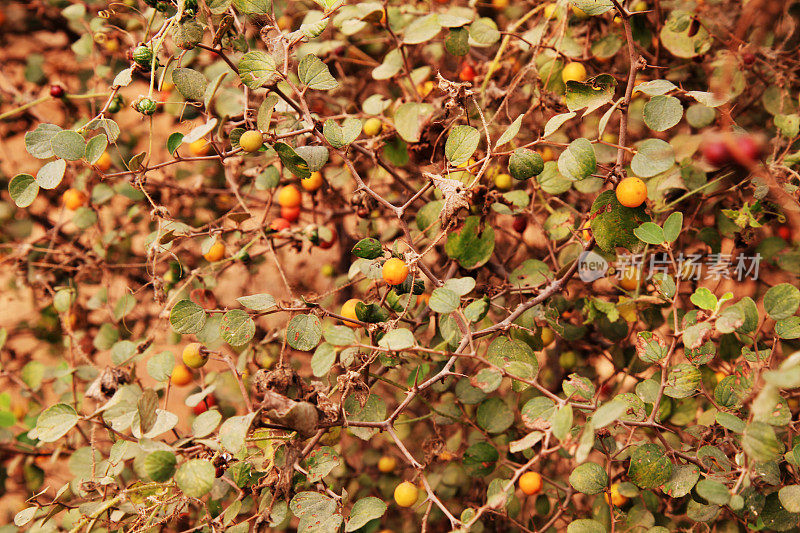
(530, 483)
(194, 355)
(387, 464)
(394, 271)
(181, 375)
(573, 72)
(289, 196)
(313, 182)
(73, 199)
(290, 214)
(215, 253)
(349, 311)
(251, 141)
(406, 494)
(631, 192)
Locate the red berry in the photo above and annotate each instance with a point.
(748, 58)
(748, 148)
(716, 153)
(520, 223)
(279, 224)
(327, 244)
(56, 91)
(207, 403)
(467, 73)
(291, 214)
(785, 233)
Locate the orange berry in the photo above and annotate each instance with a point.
(614, 497)
(530, 483)
(103, 163)
(181, 375)
(215, 253)
(289, 196)
(631, 192)
(279, 224)
(349, 311)
(395, 271)
(423, 298)
(73, 199)
(313, 182)
(387, 464)
(200, 147)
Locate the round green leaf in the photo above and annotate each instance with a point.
(54, 422)
(461, 144)
(578, 161)
(23, 189)
(187, 317)
(237, 328)
(589, 478)
(653, 156)
(195, 477)
(649, 467)
(51, 174)
(782, 301)
(69, 145)
(205, 423)
(364, 511)
(160, 465)
(662, 112)
(472, 245)
(304, 332)
(494, 416)
(256, 68)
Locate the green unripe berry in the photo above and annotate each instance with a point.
(524, 164)
(145, 105)
(143, 56)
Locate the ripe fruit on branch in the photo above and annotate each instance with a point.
(57, 90)
(200, 147)
(372, 127)
(290, 214)
(349, 311)
(520, 223)
(631, 192)
(785, 233)
(215, 253)
(205, 404)
(394, 271)
(73, 199)
(251, 141)
(195, 355)
(279, 224)
(547, 154)
(548, 336)
(313, 182)
(387, 464)
(289, 196)
(181, 375)
(103, 163)
(573, 72)
(406, 494)
(742, 149)
(614, 497)
(467, 73)
(530, 483)
(503, 182)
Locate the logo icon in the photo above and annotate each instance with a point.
(591, 266)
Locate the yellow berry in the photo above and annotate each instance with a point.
(372, 127)
(200, 147)
(573, 72)
(550, 10)
(181, 375)
(103, 163)
(548, 336)
(720, 376)
(215, 253)
(530, 483)
(251, 141)
(631, 192)
(500, 4)
(313, 182)
(503, 182)
(630, 279)
(579, 13)
(425, 89)
(406, 494)
(394, 271)
(194, 355)
(547, 154)
(387, 464)
(614, 497)
(349, 311)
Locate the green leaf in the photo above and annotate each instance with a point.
(320, 462)
(653, 156)
(662, 112)
(607, 413)
(313, 504)
(578, 161)
(205, 423)
(95, 148)
(323, 359)
(472, 245)
(514, 356)
(340, 136)
(650, 233)
(760, 443)
(195, 477)
(782, 301)
(314, 74)
(368, 248)
(788, 328)
(483, 32)
(258, 302)
(593, 7)
(443, 301)
(315, 156)
(23, 189)
(592, 94)
(160, 465)
(649, 467)
(788, 125)
(682, 480)
(461, 144)
(374, 410)
(494, 416)
(365, 510)
(655, 87)
(160, 366)
(410, 118)
(187, 317)
(397, 340)
(682, 380)
(38, 141)
(253, 7)
(68, 145)
(790, 498)
(713, 491)
(556, 121)
(190, 83)
(296, 164)
(392, 64)
(457, 42)
(54, 422)
(233, 432)
(510, 133)
(304, 332)
(589, 478)
(237, 328)
(704, 299)
(256, 69)
(673, 226)
(613, 223)
(422, 29)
